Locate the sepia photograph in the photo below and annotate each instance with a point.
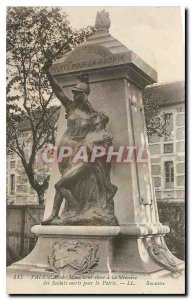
(95, 150)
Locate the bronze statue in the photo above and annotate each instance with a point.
(85, 186)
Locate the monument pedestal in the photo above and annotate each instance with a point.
(75, 251)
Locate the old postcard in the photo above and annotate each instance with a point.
(95, 150)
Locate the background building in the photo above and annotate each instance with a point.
(19, 190)
(167, 152)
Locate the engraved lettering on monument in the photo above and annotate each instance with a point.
(87, 57)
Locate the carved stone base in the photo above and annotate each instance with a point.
(75, 251)
(86, 218)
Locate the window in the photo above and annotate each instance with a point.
(155, 170)
(168, 148)
(12, 164)
(22, 179)
(25, 134)
(157, 181)
(11, 155)
(155, 149)
(12, 184)
(180, 120)
(154, 138)
(181, 180)
(22, 189)
(169, 174)
(180, 109)
(168, 120)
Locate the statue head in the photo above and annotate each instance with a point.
(81, 90)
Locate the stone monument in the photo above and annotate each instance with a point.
(101, 217)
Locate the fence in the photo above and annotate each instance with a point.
(20, 240)
(20, 219)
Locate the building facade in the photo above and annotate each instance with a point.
(167, 152)
(19, 190)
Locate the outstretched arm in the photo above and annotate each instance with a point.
(57, 89)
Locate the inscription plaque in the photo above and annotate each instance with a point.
(89, 57)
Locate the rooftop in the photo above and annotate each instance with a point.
(167, 92)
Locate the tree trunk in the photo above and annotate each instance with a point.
(40, 194)
(39, 188)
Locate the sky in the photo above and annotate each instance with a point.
(154, 33)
